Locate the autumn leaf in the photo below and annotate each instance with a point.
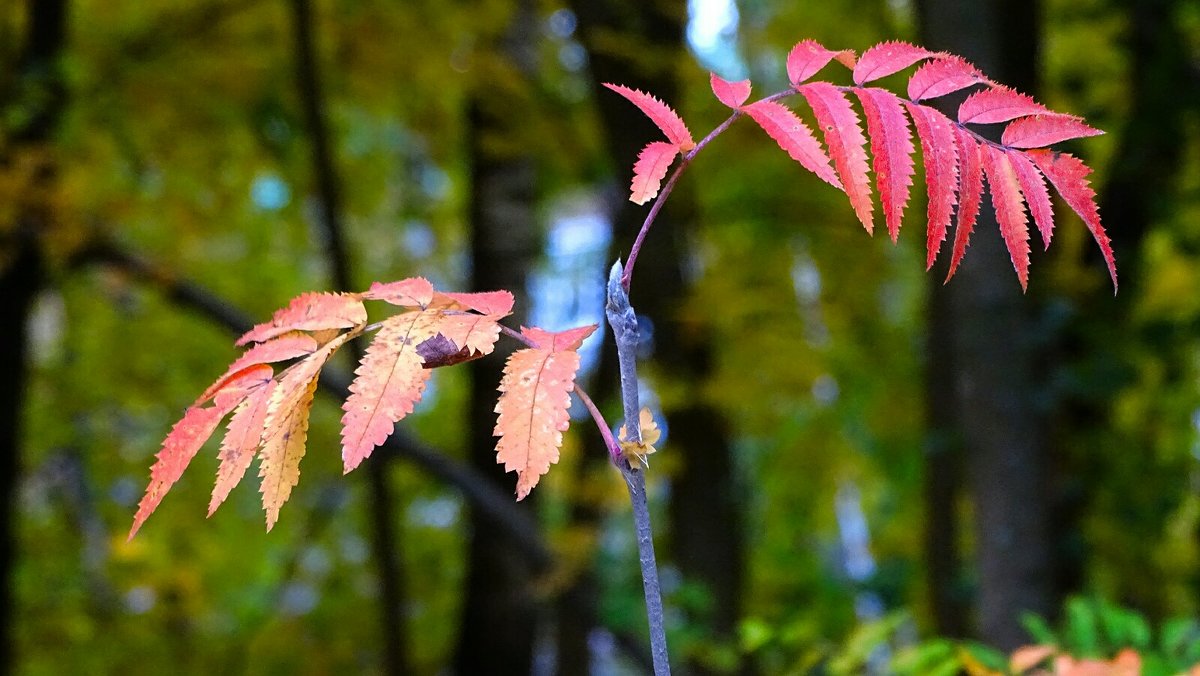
(534, 397)
(1010, 209)
(1033, 187)
(1039, 131)
(794, 137)
(943, 76)
(887, 58)
(415, 292)
(1069, 175)
(241, 442)
(649, 170)
(310, 312)
(970, 193)
(892, 149)
(939, 152)
(845, 140)
(390, 381)
(660, 114)
(809, 56)
(732, 94)
(997, 104)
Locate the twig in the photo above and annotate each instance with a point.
(625, 331)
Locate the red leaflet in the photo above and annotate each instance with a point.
(498, 303)
(310, 312)
(794, 137)
(845, 141)
(1010, 209)
(1040, 131)
(940, 155)
(411, 292)
(886, 58)
(997, 104)
(943, 76)
(892, 148)
(1070, 178)
(970, 190)
(661, 114)
(1036, 195)
(732, 94)
(810, 56)
(650, 169)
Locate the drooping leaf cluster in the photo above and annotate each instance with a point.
(432, 329)
(957, 159)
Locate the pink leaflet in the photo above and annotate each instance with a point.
(845, 141)
(997, 104)
(660, 114)
(886, 58)
(1039, 131)
(940, 155)
(732, 94)
(1036, 195)
(1010, 209)
(794, 137)
(1070, 178)
(809, 56)
(892, 148)
(943, 76)
(498, 303)
(310, 312)
(648, 172)
(970, 191)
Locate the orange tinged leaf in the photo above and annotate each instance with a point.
(649, 170)
(190, 433)
(477, 333)
(310, 312)
(535, 394)
(285, 428)
(660, 114)
(845, 140)
(1028, 657)
(411, 292)
(794, 137)
(732, 94)
(282, 348)
(498, 303)
(391, 380)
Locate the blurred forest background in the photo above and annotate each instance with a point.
(848, 438)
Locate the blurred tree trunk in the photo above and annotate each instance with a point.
(500, 611)
(983, 388)
(385, 539)
(39, 93)
(640, 45)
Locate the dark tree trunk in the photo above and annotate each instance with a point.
(21, 268)
(500, 612)
(983, 389)
(706, 537)
(385, 539)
